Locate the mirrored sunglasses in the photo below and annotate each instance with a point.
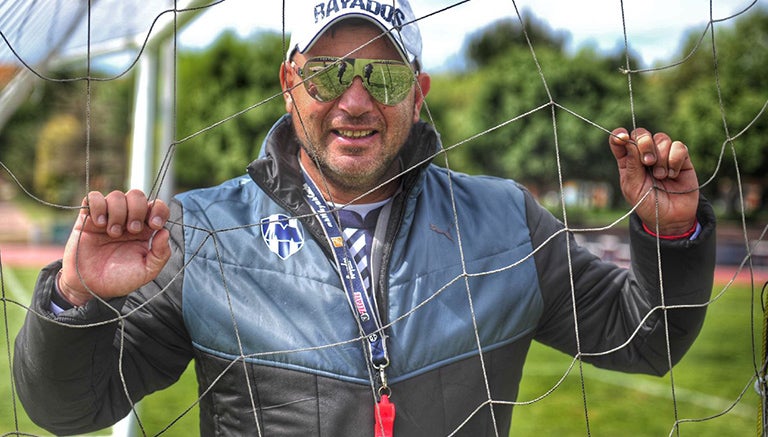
(326, 78)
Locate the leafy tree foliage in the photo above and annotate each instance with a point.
(46, 143)
(227, 78)
(532, 106)
(495, 41)
(18, 139)
(531, 102)
(719, 91)
(535, 108)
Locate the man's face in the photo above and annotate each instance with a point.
(350, 144)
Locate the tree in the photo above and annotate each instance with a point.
(494, 41)
(229, 77)
(513, 95)
(721, 86)
(214, 84)
(45, 142)
(58, 150)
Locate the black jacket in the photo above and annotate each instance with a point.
(275, 345)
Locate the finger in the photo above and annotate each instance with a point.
(97, 208)
(679, 159)
(645, 146)
(663, 144)
(117, 210)
(619, 140)
(158, 214)
(159, 253)
(136, 203)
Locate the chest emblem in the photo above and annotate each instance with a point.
(284, 235)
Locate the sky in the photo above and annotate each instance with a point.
(654, 28)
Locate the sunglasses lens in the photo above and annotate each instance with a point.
(389, 83)
(327, 78)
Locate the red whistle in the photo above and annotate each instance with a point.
(385, 417)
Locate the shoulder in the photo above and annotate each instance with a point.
(231, 203)
(481, 188)
(236, 189)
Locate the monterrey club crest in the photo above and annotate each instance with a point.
(283, 235)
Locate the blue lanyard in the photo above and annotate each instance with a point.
(363, 307)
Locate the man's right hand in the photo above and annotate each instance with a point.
(117, 245)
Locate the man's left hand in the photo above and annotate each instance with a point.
(646, 160)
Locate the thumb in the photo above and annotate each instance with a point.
(159, 253)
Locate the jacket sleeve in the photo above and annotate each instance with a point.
(620, 315)
(68, 369)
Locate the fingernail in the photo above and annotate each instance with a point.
(101, 220)
(116, 229)
(157, 222)
(659, 173)
(648, 158)
(135, 226)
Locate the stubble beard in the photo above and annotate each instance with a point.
(355, 183)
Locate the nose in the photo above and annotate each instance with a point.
(356, 100)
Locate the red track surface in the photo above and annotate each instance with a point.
(24, 255)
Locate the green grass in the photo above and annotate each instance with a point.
(12, 416)
(157, 411)
(707, 381)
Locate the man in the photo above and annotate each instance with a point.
(424, 336)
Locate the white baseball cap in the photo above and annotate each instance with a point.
(395, 17)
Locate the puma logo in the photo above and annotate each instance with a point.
(447, 234)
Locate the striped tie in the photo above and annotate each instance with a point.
(358, 234)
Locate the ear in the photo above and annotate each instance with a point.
(423, 82)
(286, 82)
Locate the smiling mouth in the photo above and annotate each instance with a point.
(354, 134)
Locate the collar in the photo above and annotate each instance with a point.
(278, 174)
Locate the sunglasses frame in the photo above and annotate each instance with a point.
(362, 67)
